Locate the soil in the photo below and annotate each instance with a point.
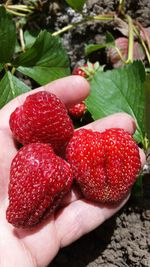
(123, 240)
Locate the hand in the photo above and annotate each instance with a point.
(37, 247)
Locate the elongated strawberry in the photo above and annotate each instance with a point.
(42, 118)
(105, 165)
(38, 181)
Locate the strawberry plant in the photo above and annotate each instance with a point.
(123, 87)
(44, 59)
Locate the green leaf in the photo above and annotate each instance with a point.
(10, 87)
(7, 36)
(147, 105)
(45, 61)
(29, 39)
(44, 75)
(110, 38)
(76, 4)
(17, 47)
(119, 90)
(93, 48)
(110, 42)
(1, 67)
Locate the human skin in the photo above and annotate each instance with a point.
(77, 216)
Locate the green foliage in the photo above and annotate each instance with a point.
(147, 105)
(1, 67)
(76, 4)
(45, 61)
(93, 48)
(119, 90)
(110, 42)
(29, 39)
(10, 87)
(7, 36)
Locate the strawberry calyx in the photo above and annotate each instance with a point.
(87, 70)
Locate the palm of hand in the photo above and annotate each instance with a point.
(37, 247)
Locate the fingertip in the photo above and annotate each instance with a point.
(117, 120)
(71, 89)
(142, 157)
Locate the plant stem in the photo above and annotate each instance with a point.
(147, 39)
(16, 13)
(20, 7)
(120, 55)
(13, 70)
(21, 39)
(8, 2)
(121, 6)
(17, 9)
(142, 43)
(131, 40)
(104, 17)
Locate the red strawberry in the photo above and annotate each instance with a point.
(42, 118)
(87, 71)
(78, 110)
(38, 181)
(105, 165)
(79, 71)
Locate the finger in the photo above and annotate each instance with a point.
(8, 151)
(29, 240)
(142, 157)
(81, 217)
(70, 90)
(73, 195)
(117, 120)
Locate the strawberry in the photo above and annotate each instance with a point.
(87, 71)
(79, 71)
(42, 118)
(77, 111)
(105, 165)
(38, 181)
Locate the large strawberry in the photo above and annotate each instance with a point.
(42, 118)
(105, 165)
(38, 181)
